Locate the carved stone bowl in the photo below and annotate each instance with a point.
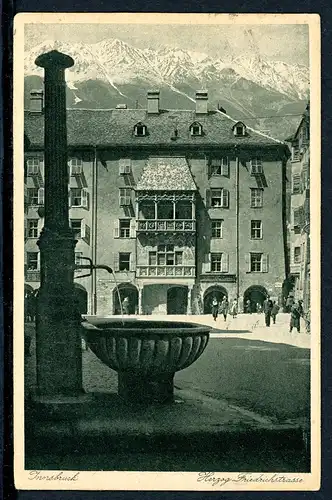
(146, 354)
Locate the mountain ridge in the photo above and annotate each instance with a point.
(114, 72)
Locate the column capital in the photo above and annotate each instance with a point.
(54, 60)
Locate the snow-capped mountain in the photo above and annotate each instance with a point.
(115, 61)
(269, 95)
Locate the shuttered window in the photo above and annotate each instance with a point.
(256, 166)
(33, 166)
(217, 198)
(219, 166)
(124, 166)
(124, 196)
(215, 262)
(75, 167)
(257, 262)
(79, 197)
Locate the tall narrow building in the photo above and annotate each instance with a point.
(300, 211)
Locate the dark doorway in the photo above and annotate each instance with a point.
(177, 300)
(256, 294)
(218, 292)
(129, 292)
(81, 296)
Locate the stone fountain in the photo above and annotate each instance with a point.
(146, 354)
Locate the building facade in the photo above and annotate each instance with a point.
(299, 229)
(184, 205)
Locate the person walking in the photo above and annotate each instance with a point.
(215, 308)
(267, 307)
(295, 315)
(248, 307)
(259, 308)
(224, 307)
(289, 303)
(234, 308)
(274, 311)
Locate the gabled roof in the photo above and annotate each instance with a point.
(115, 128)
(166, 174)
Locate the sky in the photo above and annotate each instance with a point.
(283, 42)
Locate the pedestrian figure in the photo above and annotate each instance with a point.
(267, 307)
(30, 306)
(247, 307)
(295, 317)
(234, 308)
(26, 315)
(300, 306)
(259, 308)
(125, 305)
(274, 311)
(224, 307)
(289, 303)
(215, 308)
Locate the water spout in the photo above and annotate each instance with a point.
(91, 267)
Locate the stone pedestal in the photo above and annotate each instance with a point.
(134, 388)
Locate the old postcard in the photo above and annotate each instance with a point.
(167, 253)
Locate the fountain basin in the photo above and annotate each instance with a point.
(146, 354)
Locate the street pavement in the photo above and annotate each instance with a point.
(249, 377)
(246, 326)
(265, 370)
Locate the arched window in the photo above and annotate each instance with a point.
(140, 129)
(196, 129)
(239, 129)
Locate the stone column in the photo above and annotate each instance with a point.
(58, 328)
(189, 306)
(140, 299)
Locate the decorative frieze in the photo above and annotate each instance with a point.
(156, 225)
(162, 271)
(164, 196)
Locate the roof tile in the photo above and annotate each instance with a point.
(115, 127)
(166, 174)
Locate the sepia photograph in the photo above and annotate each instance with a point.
(166, 251)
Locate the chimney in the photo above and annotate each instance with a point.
(201, 102)
(36, 101)
(153, 101)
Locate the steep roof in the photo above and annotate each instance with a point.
(166, 174)
(115, 127)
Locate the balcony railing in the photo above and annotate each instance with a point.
(32, 275)
(172, 225)
(165, 271)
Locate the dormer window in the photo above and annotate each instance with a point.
(196, 129)
(239, 129)
(140, 130)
